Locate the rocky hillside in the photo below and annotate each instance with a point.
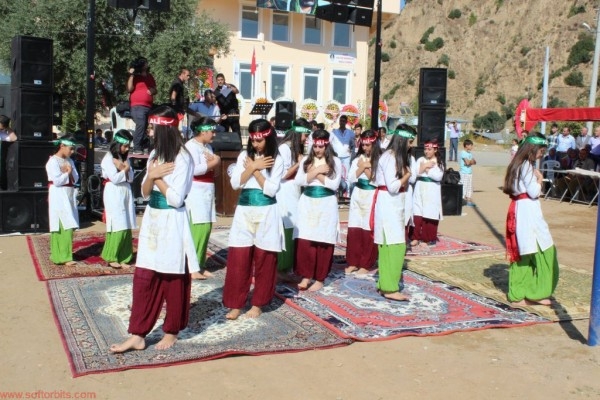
(494, 51)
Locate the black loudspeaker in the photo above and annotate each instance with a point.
(24, 212)
(31, 62)
(155, 5)
(57, 109)
(4, 146)
(26, 165)
(452, 199)
(432, 87)
(432, 125)
(131, 4)
(5, 100)
(360, 16)
(32, 114)
(285, 114)
(227, 141)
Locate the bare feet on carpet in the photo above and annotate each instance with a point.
(527, 302)
(362, 271)
(395, 296)
(71, 263)
(317, 285)
(125, 266)
(233, 314)
(115, 265)
(253, 312)
(206, 273)
(166, 342)
(134, 342)
(198, 276)
(351, 269)
(303, 285)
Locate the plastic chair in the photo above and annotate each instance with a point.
(549, 167)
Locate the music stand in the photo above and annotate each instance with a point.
(261, 109)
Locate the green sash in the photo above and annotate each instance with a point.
(424, 179)
(158, 200)
(318, 191)
(364, 185)
(255, 197)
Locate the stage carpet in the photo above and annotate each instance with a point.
(488, 276)
(93, 313)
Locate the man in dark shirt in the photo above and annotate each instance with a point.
(228, 104)
(177, 90)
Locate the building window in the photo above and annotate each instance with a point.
(279, 80)
(311, 83)
(245, 81)
(249, 22)
(340, 86)
(281, 27)
(312, 30)
(341, 35)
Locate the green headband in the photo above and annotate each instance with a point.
(205, 128)
(404, 134)
(65, 142)
(121, 139)
(300, 129)
(538, 141)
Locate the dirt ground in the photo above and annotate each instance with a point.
(550, 361)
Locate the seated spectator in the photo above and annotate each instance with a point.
(568, 161)
(570, 180)
(98, 138)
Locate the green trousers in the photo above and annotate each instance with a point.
(391, 262)
(200, 236)
(285, 258)
(534, 277)
(61, 245)
(118, 247)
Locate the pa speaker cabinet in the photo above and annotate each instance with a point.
(452, 199)
(130, 4)
(432, 87)
(24, 212)
(26, 165)
(285, 114)
(155, 5)
(360, 16)
(32, 114)
(432, 125)
(31, 63)
(5, 100)
(227, 141)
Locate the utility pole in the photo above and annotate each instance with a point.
(90, 102)
(377, 74)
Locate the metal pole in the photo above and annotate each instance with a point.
(594, 83)
(545, 86)
(90, 104)
(377, 74)
(594, 328)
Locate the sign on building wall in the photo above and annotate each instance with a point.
(342, 58)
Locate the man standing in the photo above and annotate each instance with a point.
(553, 136)
(583, 139)
(564, 142)
(344, 150)
(228, 104)
(454, 134)
(142, 88)
(177, 89)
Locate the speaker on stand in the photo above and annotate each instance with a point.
(432, 108)
(285, 114)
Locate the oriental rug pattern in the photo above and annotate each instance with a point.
(351, 305)
(92, 313)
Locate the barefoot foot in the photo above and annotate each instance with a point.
(198, 276)
(362, 271)
(206, 273)
(303, 285)
(317, 285)
(233, 314)
(166, 342)
(253, 312)
(135, 342)
(125, 265)
(350, 269)
(114, 265)
(71, 263)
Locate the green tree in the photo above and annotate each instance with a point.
(492, 121)
(582, 50)
(169, 40)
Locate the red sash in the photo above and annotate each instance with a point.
(208, 177)
(372, 215)
(50, 183)
(512, 247)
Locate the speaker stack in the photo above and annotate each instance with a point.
(285, 114)
(23, 180)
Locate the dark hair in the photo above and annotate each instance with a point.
(201, 121)
(220, 75)
(167, 139)
(357, 125)
(398, 145)
(4, 120)
(271, 148)
(294, 139)
(115, 147)
(527, 153)
(321, 134)
(375, 149)
(437, 154)
(207, 92)
(321, 126)
(467, 142)
(69, 137)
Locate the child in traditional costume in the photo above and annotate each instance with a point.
(200, 202)
(361, 250)
(166, 253)
(62, 207)
(291, 150)
(318, 222)
(256, 234)
(119, 210)
(533, 273)
(391, 175)
(427, 197)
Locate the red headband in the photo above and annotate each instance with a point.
(431, 145)
(321, 142)
(163, 121)
(260, 135)
(368, 140)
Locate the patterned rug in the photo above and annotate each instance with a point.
(488, 276)
(92, 313)
(350, 305)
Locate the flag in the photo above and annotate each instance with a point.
(253, 64)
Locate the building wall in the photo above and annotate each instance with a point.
(294, 55)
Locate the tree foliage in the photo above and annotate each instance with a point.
(491, 121)
(582, 51)
(171, 40)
